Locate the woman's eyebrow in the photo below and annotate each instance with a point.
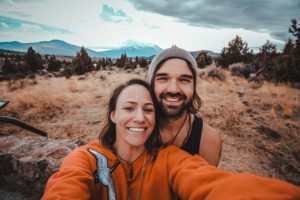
(134, 102)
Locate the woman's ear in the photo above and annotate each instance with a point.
(112, 117)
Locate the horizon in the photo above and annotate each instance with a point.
(104, 25)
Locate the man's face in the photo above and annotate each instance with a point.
(173, 87)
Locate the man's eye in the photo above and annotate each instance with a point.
(161, 78)
(185, 80)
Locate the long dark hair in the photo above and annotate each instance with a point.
(108, 133)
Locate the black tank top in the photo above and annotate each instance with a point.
(192, 142)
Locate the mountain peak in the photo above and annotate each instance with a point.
(135, 44)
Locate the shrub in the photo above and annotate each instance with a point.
(203, 59)
(54, 65)
(242, 70)
(217, 73)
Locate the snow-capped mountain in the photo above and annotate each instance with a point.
(59, 47)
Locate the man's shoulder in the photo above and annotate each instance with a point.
(210, 133)
(210, 144)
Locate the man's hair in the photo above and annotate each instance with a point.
(175, 52)
(108, 133)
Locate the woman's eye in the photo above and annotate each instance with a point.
(148, 110)
(128, 108)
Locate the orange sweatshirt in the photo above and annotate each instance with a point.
(93, 172)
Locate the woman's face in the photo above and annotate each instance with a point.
(134, 117)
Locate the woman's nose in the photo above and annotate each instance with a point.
(139, 115)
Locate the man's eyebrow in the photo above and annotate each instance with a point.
(161, 74)
(187, 76)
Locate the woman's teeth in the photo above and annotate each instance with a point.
(137, 129)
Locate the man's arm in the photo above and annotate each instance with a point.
(210, 144)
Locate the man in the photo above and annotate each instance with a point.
(172, 75)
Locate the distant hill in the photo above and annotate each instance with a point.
(11, 52)
(52, 47)
(210, 53)
(59, 47)
(62, 48)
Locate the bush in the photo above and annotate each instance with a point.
(203, 59)
(54, 65)
(8, 67)
(217, 73)
(242, 70)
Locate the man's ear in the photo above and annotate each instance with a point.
(112, 117)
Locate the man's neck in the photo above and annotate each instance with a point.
(169, 127)
(172, 123)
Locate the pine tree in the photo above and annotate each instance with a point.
(82, 63)
(237, 51)
(33, 60)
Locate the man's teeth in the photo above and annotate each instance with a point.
(172, 99)
(137, 129)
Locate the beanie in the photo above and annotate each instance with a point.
(173, 52)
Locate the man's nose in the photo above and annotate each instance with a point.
(173, 86)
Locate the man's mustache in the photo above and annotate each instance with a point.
(168, 94)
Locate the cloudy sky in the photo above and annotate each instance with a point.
(190, 24)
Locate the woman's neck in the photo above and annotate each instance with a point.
(128, 153)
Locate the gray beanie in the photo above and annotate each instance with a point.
(173, 52)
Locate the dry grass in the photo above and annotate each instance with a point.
(258, 124)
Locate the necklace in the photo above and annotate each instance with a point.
(131, 172)
(189, 132)
(172, 141)
(137, 196)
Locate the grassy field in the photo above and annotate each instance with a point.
(260, 124)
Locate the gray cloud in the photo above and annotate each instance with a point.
(271, 16)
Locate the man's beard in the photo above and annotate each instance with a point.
(172, 112)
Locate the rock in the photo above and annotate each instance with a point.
(26, 163)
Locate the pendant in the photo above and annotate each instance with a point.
(131, 171)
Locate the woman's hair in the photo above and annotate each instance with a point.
(108, 133)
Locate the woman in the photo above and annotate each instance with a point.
(128, 164)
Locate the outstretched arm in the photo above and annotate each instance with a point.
(74, 179)
(190, 177)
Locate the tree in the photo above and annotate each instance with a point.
(266, 56)
(8, 67)
(33, 60)
(53, 65)
(295, 31)
(268, 49)
(82, 63)
(203, 59)
(122, 60)
(143, 62)
(237, 51)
